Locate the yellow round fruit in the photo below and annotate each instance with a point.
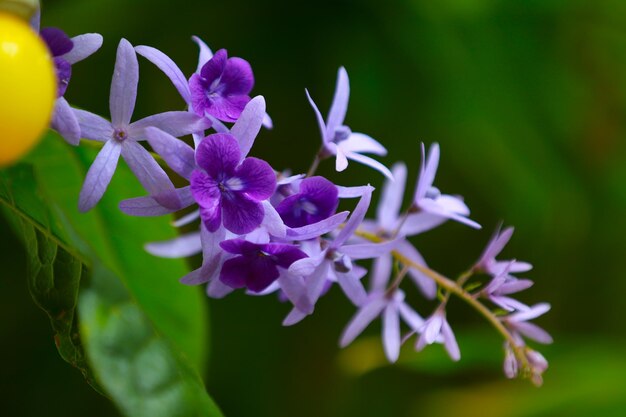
(28, 87)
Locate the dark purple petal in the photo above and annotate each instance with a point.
(218, 155)
(256, 274)
(285, 255)
(227, 109)
(212, 216)
(58, 42)
(240, 247)
(204, 189)
(64, 73)
(317, 200)
(213, 69)
(258, 180)
(237, 77)
(241, 215)
(199, 99)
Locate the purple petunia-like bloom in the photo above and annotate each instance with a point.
(228, 187)
(222, 88)
(66, 51)
(316, 200)
(120, 137)
(256, 266)
(338, 139)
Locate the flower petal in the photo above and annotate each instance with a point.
(391, 332)
(214, 68)
(149, 207)
(124, 85)
(65, 122)
(169, 68)
(205, 53)
(423, 281)
(99, 176)
(372, 163)
(338, 109)
(295, 290)
(428, 170)
(84, 46)
(218, 154)
(272, 221)
(57, 41)
(369, 250)
(258, 180)
(356, 218)
(352, 287)
(241, 215)
(237, 78)
(381, 272)
(362, 143)
(179, 156)
(247, 127)
(93, 126)
(449, 341)
(366, 314)
(180, 247)
(320, 228)
(390, 202)
(150, 174)
(175, 123)
(318, 117)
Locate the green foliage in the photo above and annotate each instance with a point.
(139, 333)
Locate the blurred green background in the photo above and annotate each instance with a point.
(527, 100)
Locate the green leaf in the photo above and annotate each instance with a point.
(54, 269)
(144, 334)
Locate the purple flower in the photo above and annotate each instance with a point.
(256, 265)
(229, 187)
(487, 262)
(518, 323)
(436, 328)
(222, 87)
(502, 285)
(390, 223)
(173, 72)
(317, 200)
(66, 52)
(391, 307)
(120, 137)
(429, 199)
(338, 139)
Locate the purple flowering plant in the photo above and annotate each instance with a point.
(266, 232)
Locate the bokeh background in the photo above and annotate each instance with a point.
(527, 100)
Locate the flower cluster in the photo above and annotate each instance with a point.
(270, 232)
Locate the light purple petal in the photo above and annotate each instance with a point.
(320, 228)
(175, 123)
(295, 316)
(369, 250)
(370, 162)
(352, 287)
(362, 143)
(496, 244)
(391, 332)
(169, 68)
(453, 204)
(180, 247)
(421, 222)
(381, 272)
(124, 85)
(366, 314)
(513, 286)
(217, 289)
(432, 207)
(390, 202)
(179, 156)
(355, 219)
(428, 171)
(272, 221)
(534, 312)
(295, 290)
(316, 282)
(267, 122)
(84, 46)
(341, 162)
(432, 328)
(425, 283)
(318, 117)
(534, 332)
(247, 127)
(93, 126)
(65, 122)
(99, 176)
(414, 320)
(149, 207)
(338, 109)
(353, 192)
(205, 53)
(150, 174)
(449, 341)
